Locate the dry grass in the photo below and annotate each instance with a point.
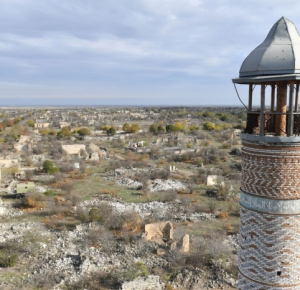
(133, 222)
(223, 215)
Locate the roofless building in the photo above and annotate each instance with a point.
(269, 254)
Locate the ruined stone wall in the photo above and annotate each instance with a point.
(161, 230)
(270, 217)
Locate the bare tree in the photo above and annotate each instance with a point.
(28, 174)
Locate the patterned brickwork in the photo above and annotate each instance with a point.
(269, 251)
(246, 284)
(271, 170)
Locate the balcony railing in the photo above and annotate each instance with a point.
(253, 123)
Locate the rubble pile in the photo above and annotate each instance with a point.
(123, 176)
(68, 257)
(161, 210)
(166, 185)
(6, 210)
(142, 283)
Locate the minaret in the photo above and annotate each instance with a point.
(269, 253)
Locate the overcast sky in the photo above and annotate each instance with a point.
(130, 52)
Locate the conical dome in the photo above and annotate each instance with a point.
(278, 54)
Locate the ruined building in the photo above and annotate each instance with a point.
(269, 254)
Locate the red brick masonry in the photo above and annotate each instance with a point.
(269, 256)
(271, 171)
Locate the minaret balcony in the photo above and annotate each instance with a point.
(269, 126)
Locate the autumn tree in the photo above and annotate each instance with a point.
(133, 128)
(18, 119)
(2, 126)
(170, 128)
(30, 123)
(178, 126)
(18, 130)
(153, 128)
(126, 127)
(207, 114)
(64, 132)
(223, 117)
(84, 131)
(111, 131)
(45, 131)
(161, 129)
(10, 122)
(208, 126)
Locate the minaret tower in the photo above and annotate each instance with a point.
(269, 253)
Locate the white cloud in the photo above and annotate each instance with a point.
(171, 8)
(137, 44)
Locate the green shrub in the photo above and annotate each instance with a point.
(222, 192)
(94, 215)
(133, 128)
(207, 114)
(84, 131)
(95, 281)
(30, 123)
(82, 215)
(153, 128)
(137, 269)
(8, 258)
(64, 132)
(49, 167)
(169, 287)
(49, 192)
(111, 131)
(208, 126)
